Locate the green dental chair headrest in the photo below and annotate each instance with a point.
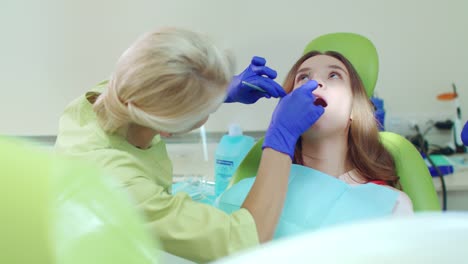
(357, 49)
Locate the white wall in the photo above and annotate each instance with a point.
(52, 51)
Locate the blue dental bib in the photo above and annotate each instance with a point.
(315, 200)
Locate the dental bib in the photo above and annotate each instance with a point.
(316, 200)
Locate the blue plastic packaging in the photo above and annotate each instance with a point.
(445, 167)
(197, 187)
(379, 112)
(230, 152)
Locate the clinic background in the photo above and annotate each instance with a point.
(53, 51)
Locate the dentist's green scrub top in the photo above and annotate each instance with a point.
(188, 229)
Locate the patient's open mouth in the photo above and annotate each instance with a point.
(320, 101)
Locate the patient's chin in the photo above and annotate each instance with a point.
(327, 126)
(313, 132)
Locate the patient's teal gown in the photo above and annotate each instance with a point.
(316, 200)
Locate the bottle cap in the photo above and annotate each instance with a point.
(235, 130)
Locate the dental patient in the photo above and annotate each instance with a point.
(341, 172)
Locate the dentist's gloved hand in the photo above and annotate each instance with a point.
(256, 74)
(294, 115)
(464, 134)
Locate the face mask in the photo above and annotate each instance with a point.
(316, 200)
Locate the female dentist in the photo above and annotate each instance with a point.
(169, 81)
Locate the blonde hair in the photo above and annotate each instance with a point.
(168, 80)
(367, 154)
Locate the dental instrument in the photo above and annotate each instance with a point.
(253, 86)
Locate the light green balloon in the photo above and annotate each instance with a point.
(65, 211)
(358, 49)
(25, 201)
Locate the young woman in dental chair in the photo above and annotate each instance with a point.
(341, 171)
(344, 142)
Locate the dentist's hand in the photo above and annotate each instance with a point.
(294, 115)
(256, 74)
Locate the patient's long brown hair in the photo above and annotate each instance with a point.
(367, 154)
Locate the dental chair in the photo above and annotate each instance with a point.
(415, 177)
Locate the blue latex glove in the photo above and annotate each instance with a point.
(256, 74)
(464, 134)
(294, 115)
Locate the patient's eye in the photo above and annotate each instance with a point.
(334, 75)
(302, 78)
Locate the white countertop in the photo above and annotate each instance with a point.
(457, 181)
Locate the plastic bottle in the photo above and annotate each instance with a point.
(230, 152)
(379, 112)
